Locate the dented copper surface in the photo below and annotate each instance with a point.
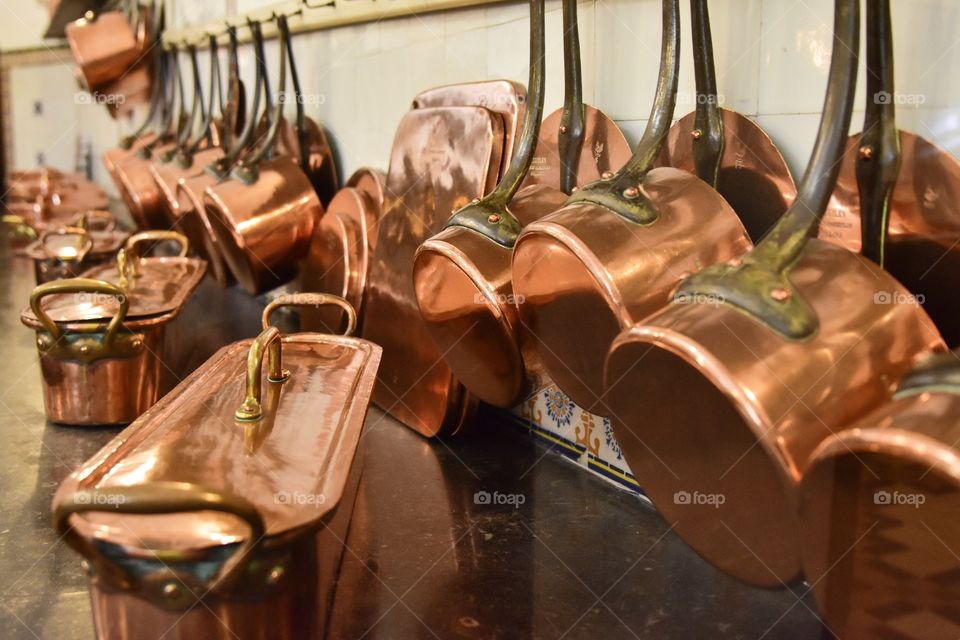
(442, 159)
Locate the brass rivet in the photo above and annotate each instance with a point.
(494, 218)
(275, 575)
(606, 175)
(631, 192)
(697, 134)
(475, 200)
(84, 349)
(563, 128)
(734, 262)
(137, 343)
(780, 294)
(171, 590)
(85, 565)
(574, 189)
(41, 343)
(866, 153)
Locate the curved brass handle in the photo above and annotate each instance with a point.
(312, 300)
(18, 226)
(81, 253)
(104, 220)
(158, 236)
(79, 285)
(159, 498)
(268, 340)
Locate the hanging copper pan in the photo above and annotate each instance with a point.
(265, 214)
(462, 275)
(922, 184)
(343, 242)
(615, 252)
(878, 507)
(104, 47)
(442, 158)
(719, 399)
(726, 149)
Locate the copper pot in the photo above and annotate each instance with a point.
(104, 47)
(74, 250)
(877, 507)
(615, 252)
(719, 399)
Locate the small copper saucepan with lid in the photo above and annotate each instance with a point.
(719, 399)
(727, 150)
(104, 47)
(878, 506)
(265, 213)
(614, 253)
(65, 252)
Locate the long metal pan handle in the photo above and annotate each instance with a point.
(622, 192)
(157, 97)
(79, 285)
(302, 135)
(878, 158)
(197, 108)
(270, 341)
(173, 90)
(708, 140)
(158, 498)
(940, 372)
(759, 284)
(489, 215)
(215, 94)
(572, 125)
(312, 300)
(85, 245)
(155, 236)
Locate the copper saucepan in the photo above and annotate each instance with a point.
(878, 506)
(921, 181)
(264, 216)
(462, 275)
(726, 149)
(104, 47)
(720, 398)
(615, 252)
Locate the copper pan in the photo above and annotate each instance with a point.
(265, 214)
(720, 398)
(341, 248)
(918, 185)
(726, 149)
(104, 47)
(63, 257)
(462, 275)
(878, 506)
(442, 158)
(614, 253)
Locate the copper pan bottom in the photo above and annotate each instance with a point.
(753, 176)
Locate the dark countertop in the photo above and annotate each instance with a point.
(579, 558)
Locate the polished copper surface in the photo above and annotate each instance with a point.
(586, 273)
(104, 47)
(753, 176)
(167, 176)
(338, 260)
(264, 228)
(62, 257)
(465, 294)
(504, 97)
(877, 509)
(604, 149)
(924, 225)
(373, 182)
(139, 190)
(195, 223)
(442, 159)
(300, 480)
(762, 404)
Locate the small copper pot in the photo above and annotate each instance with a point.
(614, 254)
(878, 508)
(104, 47)
(719, 399)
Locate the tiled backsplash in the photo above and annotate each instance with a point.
(772, 58)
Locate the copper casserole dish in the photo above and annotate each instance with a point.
(208, 521)
(100, 336)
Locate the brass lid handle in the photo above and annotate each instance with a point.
(79, 285)
(78, 255)
(312, 300)
(269, 340)
(155, 237)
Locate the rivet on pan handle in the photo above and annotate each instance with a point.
(622, 192)
(708, 139)
(489, 216)
(86, 243)
(312, 300)
(759, 283)
(157, 498)
(269, 340)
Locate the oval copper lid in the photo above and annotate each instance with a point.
(292, 465)
(103, 242)
(162, 287)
